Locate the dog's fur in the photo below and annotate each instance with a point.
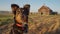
(17, 13)
(20, 17)
(26, 9)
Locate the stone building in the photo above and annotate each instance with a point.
(44, 10)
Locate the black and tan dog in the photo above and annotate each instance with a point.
(20, 18)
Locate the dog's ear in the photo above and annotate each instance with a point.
(27, 6)
(26, 9)
(14, 7)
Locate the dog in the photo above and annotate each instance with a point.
(20, 18)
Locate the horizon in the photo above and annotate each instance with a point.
(35, 4)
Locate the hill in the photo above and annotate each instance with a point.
(5, 12)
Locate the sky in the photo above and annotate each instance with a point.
(5, 5)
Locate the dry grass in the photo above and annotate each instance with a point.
(43, 24)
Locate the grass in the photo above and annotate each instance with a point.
(37, 24)
(5, 19)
